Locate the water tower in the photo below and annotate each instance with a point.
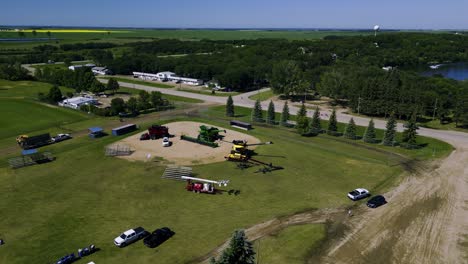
(376, 28)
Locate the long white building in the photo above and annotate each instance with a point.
(167, 76)
(76, 102)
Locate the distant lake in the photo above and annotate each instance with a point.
(457, 71)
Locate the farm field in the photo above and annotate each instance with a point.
(84, 197)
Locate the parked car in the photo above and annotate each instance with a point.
(166, 142)
(67, 259)
(130, 236)
(61, 137)
(376, 201)
(358, 194)
(158, 237)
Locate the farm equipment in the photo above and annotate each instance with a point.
(155, 132)
(206, 136)
(198, 185)
(27, 142)
(241, 153)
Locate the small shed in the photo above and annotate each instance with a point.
(96, 132)
(241, 125)
(123, 129)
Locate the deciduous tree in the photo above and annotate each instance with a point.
(113, 85)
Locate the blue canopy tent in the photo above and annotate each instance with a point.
(96, 132)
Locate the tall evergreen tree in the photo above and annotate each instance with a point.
(54, 95)
(302, 122)
(369, 135)
(315, 125)
(350, 131)
(410, 133)
(257, 113)
(230, 107)
(240, 251)
(285, 114)
(271, 114)
(332, 124)
(390, 132)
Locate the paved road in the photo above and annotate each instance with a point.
(452, 137)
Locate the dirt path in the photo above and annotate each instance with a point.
(425, 221)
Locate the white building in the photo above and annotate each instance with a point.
(167, 76)
(74, 67)
(101, 71)
(77, 102)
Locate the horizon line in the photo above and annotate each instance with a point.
(235, 28)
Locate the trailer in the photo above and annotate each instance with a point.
(124, 129)
(27, 142)
(241, 125)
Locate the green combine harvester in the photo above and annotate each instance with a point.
(206, 136)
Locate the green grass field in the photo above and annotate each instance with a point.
(23, 115)
(83, 197)
(293, 245)
(262, 96)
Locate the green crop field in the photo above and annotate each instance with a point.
(83, 197)
(131, 35)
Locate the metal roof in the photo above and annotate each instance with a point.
(29, 151)
(95, 129)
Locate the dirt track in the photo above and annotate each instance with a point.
(425, 221)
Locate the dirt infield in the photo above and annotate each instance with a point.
(182, 152)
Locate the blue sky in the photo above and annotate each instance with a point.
(406, 14)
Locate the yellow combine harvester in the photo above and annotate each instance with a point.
(240, 152)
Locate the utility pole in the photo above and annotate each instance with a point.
(435, 108)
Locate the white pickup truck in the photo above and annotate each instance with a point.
(358, 194)
(130, 236)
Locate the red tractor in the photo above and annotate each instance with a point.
(155, 132)
(198, 185)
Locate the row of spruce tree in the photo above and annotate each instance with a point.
(313, 127)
